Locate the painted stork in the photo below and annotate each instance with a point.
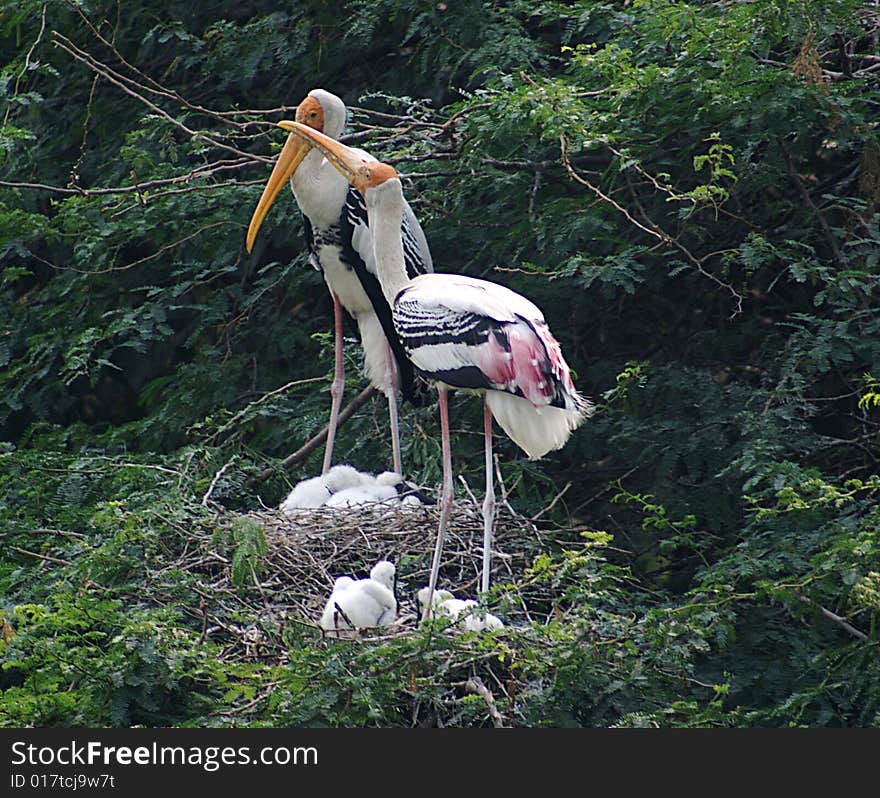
(461, 332)
(340, 246)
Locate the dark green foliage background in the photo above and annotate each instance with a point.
(688, 189)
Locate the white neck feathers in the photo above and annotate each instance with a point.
(385, 211)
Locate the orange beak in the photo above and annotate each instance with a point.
(349, 162)
(295, 149)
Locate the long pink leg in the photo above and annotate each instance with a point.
(391, 376)
(337, 387)
(489, 500)
(445, 497)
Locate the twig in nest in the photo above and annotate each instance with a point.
(467, 488)
(475, 685)
(504, 493)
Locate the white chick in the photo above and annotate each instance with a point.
(361, 495)
(466, 609)
(315, 491)
(343, 476)
(306, 494)
(361, 603)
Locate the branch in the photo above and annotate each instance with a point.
(657, 232)
(40, 556)
(157, 88)
(823, 222)
(836, 618)
(552, 504)
(156, 254)
(566, 162)
(216, 479)
(313, 443)
(123, 83)
(200, 171)
(475, 685)
(27, 62)
(243, 412)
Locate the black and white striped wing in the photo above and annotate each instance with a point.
(473, 334)
(448, 324)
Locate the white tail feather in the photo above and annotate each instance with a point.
(536, 430)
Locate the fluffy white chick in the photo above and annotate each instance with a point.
(362, 494)
(315, 491)
(465, 609)
(305, 495)
(361, 603)
(344, 476)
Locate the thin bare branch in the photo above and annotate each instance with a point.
(475, 685)
(839, 620)
(125, 84)
(654, 230)
(45, 557)
(27, 61)
(313, 443)
(198, 172)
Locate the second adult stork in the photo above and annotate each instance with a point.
(340, 245)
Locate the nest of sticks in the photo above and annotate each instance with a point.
(306, 552)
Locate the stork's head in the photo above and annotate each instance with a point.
(321, 111)
(361, 171)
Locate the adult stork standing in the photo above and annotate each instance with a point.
(461, 332)
(339, 240)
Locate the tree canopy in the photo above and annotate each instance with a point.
(688, 189)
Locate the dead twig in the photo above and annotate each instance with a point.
(126, 85)
(841, 621)
(313, 443)
(265, 397)
(552, 504)
(206, 498)
(654, 230)
(808, 200)
(198, 172)
(475, 685)
(27, 61)
(45, 557)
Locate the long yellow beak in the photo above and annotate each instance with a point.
(349, 162)
(292, 154)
